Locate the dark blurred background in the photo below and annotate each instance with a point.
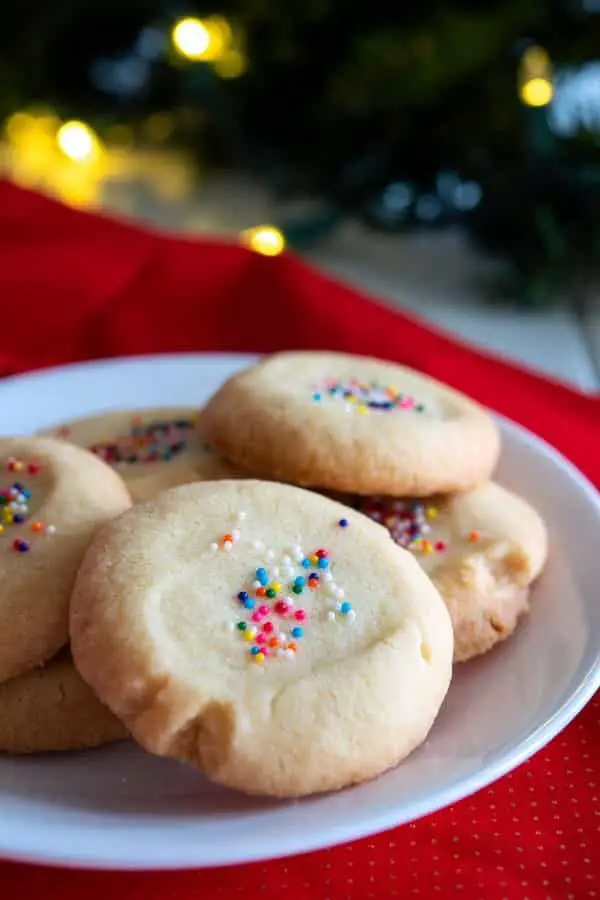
(432, 116)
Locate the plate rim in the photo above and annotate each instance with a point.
(300, 842)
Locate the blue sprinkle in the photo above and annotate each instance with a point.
(297, 632)
(249, 603)
(26, 493)
(343, 523)
(345, 607)
(18, 486)
(255, 650)
(300, 581)
(243, 595)
(306, 563)
(317, 396)
(18, 518)
(323, 563)
(262, 576)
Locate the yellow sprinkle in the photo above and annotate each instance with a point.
(427, 547)
(249, 635)
(276, 586)
(314, 559)
(431, 512)
(361, 409)
(17, 466)
(352, 399)
(1, 528)
(259, 657)
(7, 515)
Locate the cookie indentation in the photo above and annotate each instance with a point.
(362, 397)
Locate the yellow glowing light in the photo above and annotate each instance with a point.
(191, 38)
(77, 141)
(231, 65)
(536, 62)
(265, 239)
(536, 92)
(18, 125)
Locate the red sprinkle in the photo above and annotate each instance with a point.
(268, 627)
(261, 592)
(260, 639)
(282, 607)
(322, 554)
(440, 545)
(263, 611)
(33, 468)
(256, 616)
(300, 615)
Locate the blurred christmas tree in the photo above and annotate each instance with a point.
(444, 113)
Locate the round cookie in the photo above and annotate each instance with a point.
(270, 636)
(482, 550)
(152, 449)
(51, 708)
(53, 498)
(348, 423)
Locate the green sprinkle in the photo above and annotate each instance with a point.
(420, 408)
(271, 593)
(297, 588)
(242, 626)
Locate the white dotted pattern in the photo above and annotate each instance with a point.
(501, 844)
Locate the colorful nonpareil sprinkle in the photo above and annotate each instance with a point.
(365, 396)
(152, 442)
(273, 621)
(14, 504)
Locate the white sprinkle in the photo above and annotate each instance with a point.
(229, 626)
(275, 571)
(269, 554)
(327, 576)
(288, 570)
(256, 584)
(339, 592)
(235, 535)
(213, 546)
(331, 615)
(351, 615)
(51, 529)
(299, 555)
(257, 545)
(287, 560)
(227, 545)
(289, 654)
(242, 515)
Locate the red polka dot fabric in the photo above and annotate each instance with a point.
(93, 288)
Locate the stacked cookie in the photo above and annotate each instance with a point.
(405, 450)
(282, 610)
(53, 499)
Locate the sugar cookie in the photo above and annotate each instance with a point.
(51, 708)
(53, 498)
(482, 550)
(152, 449)
(274, 638)
(348, 423)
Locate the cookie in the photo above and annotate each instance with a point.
(53, 498)
(277, 640)
(348, 423)
(51, 708)
(152, 449)
(482, 549)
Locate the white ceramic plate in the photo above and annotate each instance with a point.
(121, 808)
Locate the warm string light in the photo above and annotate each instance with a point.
(535, 77)
(264, 239)
(78, 141)
(210, 40)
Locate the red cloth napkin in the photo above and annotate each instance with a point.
(76, 286)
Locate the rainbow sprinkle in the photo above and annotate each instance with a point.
(363, 397)
(159, 441)
(408, 521)
(14, 504)
(272, 604)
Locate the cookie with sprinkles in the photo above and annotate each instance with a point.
(51, 708)
(350, 423)
(270, 636)
(152, 449)
(482, 549)
(53, 498)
